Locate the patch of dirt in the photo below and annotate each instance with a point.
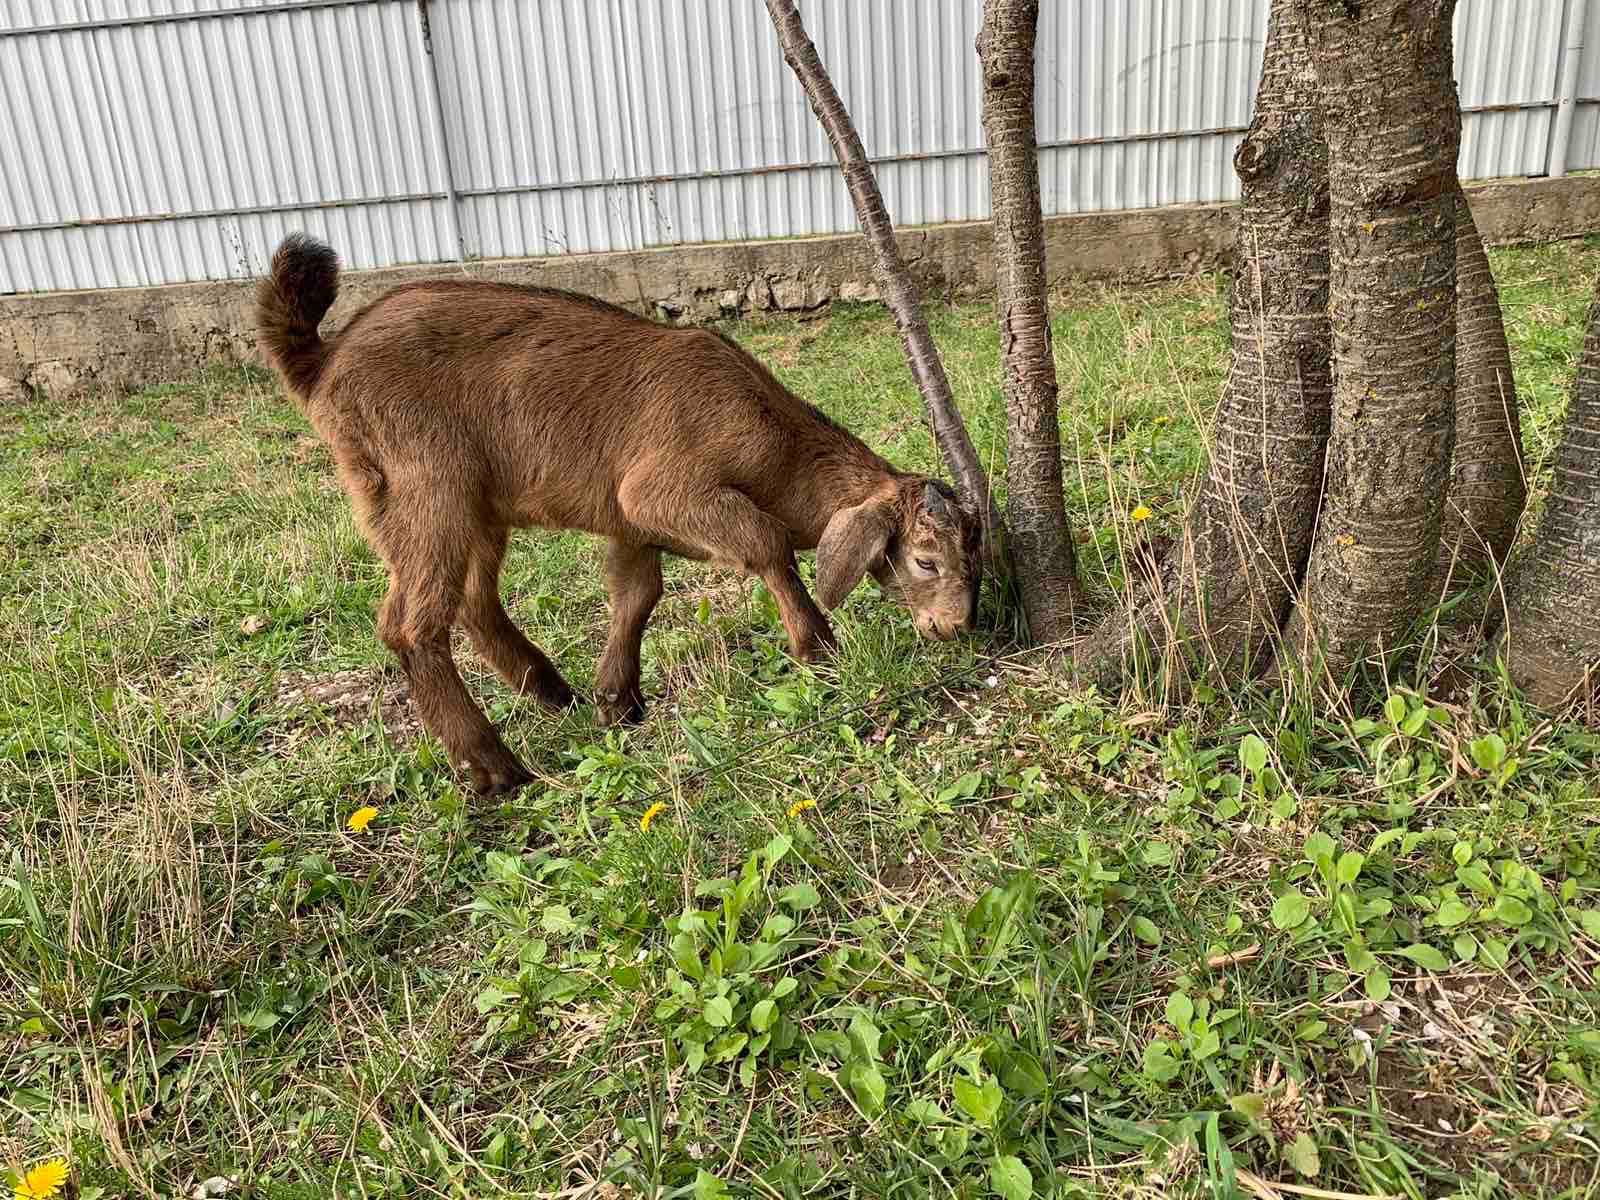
(346, 699)
(1446, 1054)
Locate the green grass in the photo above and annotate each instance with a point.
(947, 926)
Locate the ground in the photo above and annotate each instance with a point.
(928, 922)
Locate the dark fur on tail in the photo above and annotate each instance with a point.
(290, 304)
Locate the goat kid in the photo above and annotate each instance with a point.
(457, 410)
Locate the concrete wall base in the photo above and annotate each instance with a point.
(66, 342)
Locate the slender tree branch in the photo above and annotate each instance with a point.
(894, 278)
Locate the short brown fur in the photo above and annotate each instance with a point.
(457, 410)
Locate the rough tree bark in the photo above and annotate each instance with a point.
(1552, 636)
(1226, 587)
(1487, 487)
(1041, 540)
(1393, 126)
(894, 279)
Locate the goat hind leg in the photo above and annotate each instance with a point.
(519, 662)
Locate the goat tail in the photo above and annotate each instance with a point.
(290, 303)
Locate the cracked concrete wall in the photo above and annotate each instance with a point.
(67, 342)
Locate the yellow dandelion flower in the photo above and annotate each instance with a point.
(43, 1181)
(650, 814)
(1344, 539)
(360, 819)
(800, 806)
(1142, 513)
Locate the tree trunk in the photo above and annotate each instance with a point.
(1225, 589)
(1487, 485)
(1552, 637)
(1393, 126)
(899, 289)
(1041, 541)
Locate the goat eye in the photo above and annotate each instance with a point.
(924, 565)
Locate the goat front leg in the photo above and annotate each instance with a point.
(633, 582)
(725, 526)
(415, 623)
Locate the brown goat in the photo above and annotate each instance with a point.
(457, 410)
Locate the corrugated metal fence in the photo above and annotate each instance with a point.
(158, 141)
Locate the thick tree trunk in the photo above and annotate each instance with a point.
(1487, 485)
(894, 279)
(1041, 541)
(1227, 586)
(1393, 127)
(1552, 637)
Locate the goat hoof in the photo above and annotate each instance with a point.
(620, 708)
(497, 775)
(819, 648)
(558, 696)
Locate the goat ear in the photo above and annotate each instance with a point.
(854, 540)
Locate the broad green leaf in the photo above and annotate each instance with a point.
(1350, 864)
(1452, 913)
(1589, 918)
(1426, 956)
(799, 896)
(718, 1012)
(763, 1015)
(1395, 709)
(1160, 1063)
(1252, 753)
(259, 1019)
(1146, 931)
(1010, 1178)
(776, 849)
(1489, 751)
(864, 1035)
(1251, 1104)
(1303, 1157)
(1511, 910)
(1377, 983)
(870, 1089)
(558, 919)
(1021, 1073)
(1357, 957)
(694, 1056)
(1290, 910)
(1180, 1011)
(980, 1101)
(1157, 854)
(708, 1187)
(1494, 953)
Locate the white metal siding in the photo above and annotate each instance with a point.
(156, 141)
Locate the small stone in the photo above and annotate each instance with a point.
(858, 292)
(56, 378)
